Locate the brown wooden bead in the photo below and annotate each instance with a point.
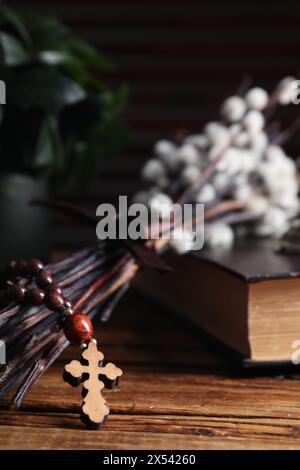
(54, 288)
(54, 301)
(16, 293)
(35, 266)
(78, 328)
(35, 296)
(17, 268)
(22, 268)
(43, 279)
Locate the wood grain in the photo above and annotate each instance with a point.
(197, 402)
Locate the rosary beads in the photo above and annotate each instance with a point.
(29, 283)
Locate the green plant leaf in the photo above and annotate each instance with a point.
(43, 87)
(120, 99)
(60, 119)
(13, 51)
(67, 62)
(57, 58)
(10, 17)
(113, 103)
(49, 149)
(44, 156)
(90, 56)
(46, 32)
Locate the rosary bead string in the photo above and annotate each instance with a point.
(28, 282)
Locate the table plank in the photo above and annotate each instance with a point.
(24, 430)
(176, 394)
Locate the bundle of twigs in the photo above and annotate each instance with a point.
(94, 279)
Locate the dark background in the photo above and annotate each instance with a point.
(179, 58)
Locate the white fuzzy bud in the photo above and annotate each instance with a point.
(214, 153)
(285, 90)
(153, 191)
(161, 204)
(290, 204)
(257, 98)
(235, 129)
(163, 182)
(280, 161)
(274, 153)
(171, 162)
(219, 235)
(163, 147)
(258, 142)
(243, 192)
(198, 140)
(190, 175)
(269, 175)
(274, 222)
(167, 153)
(241, 179)
(153, 170)
(249, 160)
(141, 197)
(254, 121)
(279, 171)
(206, 194)
(220, 181)
(217, 134)
(257, 206)
(181, 241)
(241, 139)
(188, 154)
(231, 161)
(233, 109)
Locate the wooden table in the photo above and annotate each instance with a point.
(176, 394)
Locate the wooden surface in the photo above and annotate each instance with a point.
(176, 394)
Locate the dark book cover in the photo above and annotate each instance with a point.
(253, 260)
(223, 284)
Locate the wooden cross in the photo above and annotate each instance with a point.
(95, 377)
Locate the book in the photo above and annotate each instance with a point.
(247, 298)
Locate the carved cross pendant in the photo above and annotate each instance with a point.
(95, 377)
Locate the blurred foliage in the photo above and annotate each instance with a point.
(60, 119)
